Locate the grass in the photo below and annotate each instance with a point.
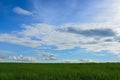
(74, 71)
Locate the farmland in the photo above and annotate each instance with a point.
(59, 71)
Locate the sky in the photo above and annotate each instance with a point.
(58, 31)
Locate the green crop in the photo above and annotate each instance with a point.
(59, 71)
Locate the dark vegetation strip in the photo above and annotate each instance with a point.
(60, 71)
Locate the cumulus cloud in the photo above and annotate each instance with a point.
(53, 58)
(22, 11)
(25, 41)
(87, 60)
(22, 58)
(47, 56)
(93, 37)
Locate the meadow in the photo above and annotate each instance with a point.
(59, 71)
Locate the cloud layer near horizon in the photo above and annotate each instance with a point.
(93, 37)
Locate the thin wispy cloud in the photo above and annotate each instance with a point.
(19, 10)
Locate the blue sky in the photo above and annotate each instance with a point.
(59, 30)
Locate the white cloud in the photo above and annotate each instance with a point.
(91, 36)
(14, 39)
(106, 11)
(96, 11)
(87, 60)
(100, 54)
(43, 34)
(19, 10)
(52, 58)
(70, 61)
(83, 60)
(47, 56)
(22, 58)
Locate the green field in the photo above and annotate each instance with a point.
(35, 71)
